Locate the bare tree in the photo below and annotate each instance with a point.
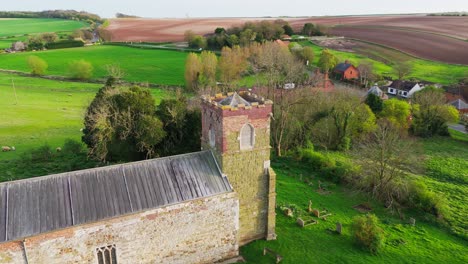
(402, 69)
(115, 71)
(365, 73)
(386, 156)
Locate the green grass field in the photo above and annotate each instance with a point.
(424, 243)
(140, 65)
(22, 26)
(381, 59)
(47, 111)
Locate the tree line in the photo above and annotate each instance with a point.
(250, 32)
(63, 14)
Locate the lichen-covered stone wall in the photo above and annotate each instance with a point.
(199, 231)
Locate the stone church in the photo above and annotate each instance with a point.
(192, 208)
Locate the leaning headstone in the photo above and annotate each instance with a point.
(316, 212)
(288, 212)
(338, 227)
(300, 222)
(412, 221)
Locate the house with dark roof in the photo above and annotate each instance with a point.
(404, 88)
(192, 208)
(460, 105)
(346, 71)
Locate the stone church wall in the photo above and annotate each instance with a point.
(199, 231)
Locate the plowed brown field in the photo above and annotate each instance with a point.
(423, 45)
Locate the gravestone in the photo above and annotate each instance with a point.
(316, 212)
(310, 207)
(288, 212)
(412, 221)
(339, 226)
(300, 222)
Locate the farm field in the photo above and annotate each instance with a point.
(381, 58)
(429, 37)
(420, 44)
(427, 242)
(443, 25)
(22, 26)
(47, 111)
(140, 65)
(160, 30)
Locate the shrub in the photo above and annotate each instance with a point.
(367, 233)
(42, 153)
(427, 201)
(72, 147)
(80, 69)
(37, 65)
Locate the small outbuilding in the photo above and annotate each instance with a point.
(346, 71)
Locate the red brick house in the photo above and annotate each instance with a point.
(346, 71)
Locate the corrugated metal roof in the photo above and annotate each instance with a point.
(32, 206)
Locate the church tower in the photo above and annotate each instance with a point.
(236, 127)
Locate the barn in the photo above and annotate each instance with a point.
(192, 208)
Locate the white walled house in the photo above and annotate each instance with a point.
(404, 88)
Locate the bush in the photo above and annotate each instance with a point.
(331, 167)
(72, 147)
(80, 69)
(42, 153)
(424, 199)
(37, 65)
(367, 233)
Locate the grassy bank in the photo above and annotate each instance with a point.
(424, 243)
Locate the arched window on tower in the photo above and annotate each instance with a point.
(212, 136)
(247, 137)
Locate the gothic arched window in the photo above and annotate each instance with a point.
(247, 137)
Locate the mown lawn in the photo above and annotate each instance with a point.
(381, 58)
(140, 65)
(21, 26)
(46, 111)
(423, 243)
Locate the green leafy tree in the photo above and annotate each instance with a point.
(431, 114)
(37, 65)
(308, 29)
(375, 103)
(181, 124)
(120, 125)
(396, 111)
(209, 63)
(288, 30)
(80, 69)
(35, 43)
(327, 60)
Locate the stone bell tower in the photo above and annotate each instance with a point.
(236, 127)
